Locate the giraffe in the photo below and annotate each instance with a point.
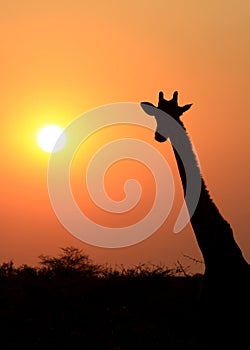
(225, 291)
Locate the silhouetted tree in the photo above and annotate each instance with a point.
(7, 269)
(69, 261)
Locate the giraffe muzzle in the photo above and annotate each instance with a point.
(159, 137)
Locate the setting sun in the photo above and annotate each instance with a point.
(48, 136)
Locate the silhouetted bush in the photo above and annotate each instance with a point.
(70, 262)
(69, 301)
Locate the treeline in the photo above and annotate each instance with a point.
(72, 261)
(70, 301)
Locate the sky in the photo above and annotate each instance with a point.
(61, 59)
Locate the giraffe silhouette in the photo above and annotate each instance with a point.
(225, 291)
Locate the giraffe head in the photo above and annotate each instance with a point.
(168, 106)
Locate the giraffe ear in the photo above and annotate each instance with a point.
(186, 107)
(148, 108)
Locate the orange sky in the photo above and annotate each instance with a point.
(62, 58)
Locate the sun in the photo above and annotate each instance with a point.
(48, 136)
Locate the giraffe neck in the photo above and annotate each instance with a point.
(213, 233)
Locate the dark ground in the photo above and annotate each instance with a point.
(70, 303)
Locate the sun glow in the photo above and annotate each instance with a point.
(48, 136)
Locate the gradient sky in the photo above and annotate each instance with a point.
(62, 58)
